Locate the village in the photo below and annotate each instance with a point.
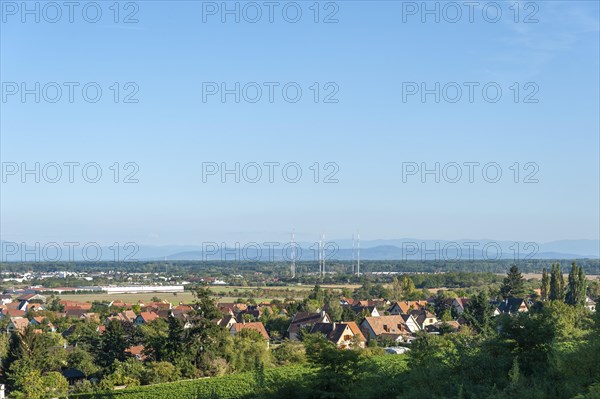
(109, 341)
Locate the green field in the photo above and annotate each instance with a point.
(185, 297)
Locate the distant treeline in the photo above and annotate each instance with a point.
(307, 269)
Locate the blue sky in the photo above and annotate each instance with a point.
(369, 133)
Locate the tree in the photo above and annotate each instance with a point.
(582, 295)
(513, 284)
(396, 290)
(289, 352)
(577, 286)
(545, 288)
(113, 344)
(335, 310)
(557, 292)
(82, 360)
(408, 286)
(250, 350)
(478, 313)
(159, 372)
(55, 384)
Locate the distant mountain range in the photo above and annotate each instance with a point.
(392, 249)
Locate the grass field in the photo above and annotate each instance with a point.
(185, 297)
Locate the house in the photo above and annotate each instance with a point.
(357, 333)
(373, 327)
(341, 334)
(305, 320)
(256, 326)
(22, 305)
(128, 316)
(145, 317)
(411, 323)
(460, 304)
(42, 321)
(513, 305)
(76, 304)
(253, 311)
(74, 312)
(8, 312)
(32, 298)
(5, 299)
(227, 321)
(590, 304)
(17, 324)
(34, 307)
(137, 352)
(370, 310)
(423, 318)
(404, 307)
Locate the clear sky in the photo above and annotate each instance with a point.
(368, 124)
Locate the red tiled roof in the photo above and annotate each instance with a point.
(256, 326)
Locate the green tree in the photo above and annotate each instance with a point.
(55, 385)
(82, 360)
(113, 344)
(289, 352)
(478, 313)
(250, 350)
(513, 284)
(396, 290)
(408, 286)
(159, 372)
(545, 287)
(335, 310)
(557, 291)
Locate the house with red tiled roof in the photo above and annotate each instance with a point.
(145, 317)
(76, 304)
(341, 334)
(356, 331)
(128, 316)
(137, 352)
(402, 325)
(404, 307)
(256, 326)
(17, 324)
(8, 312)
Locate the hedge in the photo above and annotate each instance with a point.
(233, 386)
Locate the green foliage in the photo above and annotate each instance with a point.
(478, 313)
(289, 352)
(250, 350)
(234, 386)
(545, 287)
(577, 287)
(557, 284)
(513, 284)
